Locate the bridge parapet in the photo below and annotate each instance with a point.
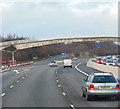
(26, 45)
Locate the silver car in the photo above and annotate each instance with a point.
(53, 64)
(100, 84)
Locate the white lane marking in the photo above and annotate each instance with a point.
(22, 77)
(63, 93)
(56, 72)
(76, 67)
(18, 81)
(72, 106)
(3, 94)
(16, 71)
(57, 81)
(59, 86)
(11, 86)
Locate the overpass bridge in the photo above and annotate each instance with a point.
(25, 45)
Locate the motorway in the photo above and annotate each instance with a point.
(39, 85)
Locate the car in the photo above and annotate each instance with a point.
(110, 62)
(118, 62)
(109, 57)
(118, 57)
(53, 64)
(104, 61)
(67, 63)
(74, 58)
(100, 85)
(99, 60)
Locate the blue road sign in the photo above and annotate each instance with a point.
(98, 46)
(48, 55)
(63, 54)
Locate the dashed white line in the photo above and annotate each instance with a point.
(18, 81)
(72, 106)
(11, 86)
(22, 77)
(3, 94)
(57, 81)
(59, 86)
(16, 71)
(63, 93)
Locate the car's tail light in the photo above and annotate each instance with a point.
(117, 87)
(91, 87)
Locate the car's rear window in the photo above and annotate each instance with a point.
(99, 59)
(53, 62)
(104, 79)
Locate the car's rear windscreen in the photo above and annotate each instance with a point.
(104, 79)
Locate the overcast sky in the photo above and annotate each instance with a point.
(48, 19)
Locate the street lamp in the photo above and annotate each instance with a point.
(13, 55)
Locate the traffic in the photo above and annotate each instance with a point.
(113, 60)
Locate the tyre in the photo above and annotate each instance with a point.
(64, 66)
(88, 97)
(71, 66)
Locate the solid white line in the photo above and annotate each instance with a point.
(11, 86)
(59, 86)
(72, 106)
(76, 67)
(3, 94)
(63, 93)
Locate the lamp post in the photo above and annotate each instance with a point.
(13, 55)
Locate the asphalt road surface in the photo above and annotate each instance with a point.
(70, 80)
(39, 85)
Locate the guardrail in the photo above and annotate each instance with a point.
(5, 67)
(104, 68)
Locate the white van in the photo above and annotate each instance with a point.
(67, 63)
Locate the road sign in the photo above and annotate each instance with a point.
(63, 54)
(48, 55)
(98, 46)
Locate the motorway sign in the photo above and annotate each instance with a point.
(98, 46)
(48, 55)
(63, 54)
